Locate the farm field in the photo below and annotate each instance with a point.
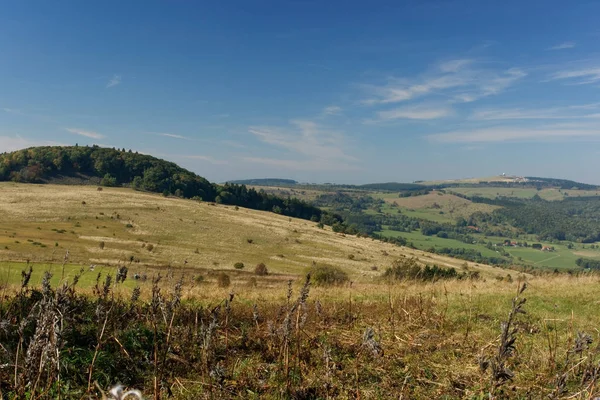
(449, 206)
(550, 194)
(423, 242)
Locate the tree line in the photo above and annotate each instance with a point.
(114, 167)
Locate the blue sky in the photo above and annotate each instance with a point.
(318, 91)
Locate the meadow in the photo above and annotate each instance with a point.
(150, 232)
(180, 321)
(171, 338)
(550, 194)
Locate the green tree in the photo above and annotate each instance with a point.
(108, 180)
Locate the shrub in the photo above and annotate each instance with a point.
(350, 256)
(261, 269)
(108, 180)
(327, 275)
(150, 247)
(238, 265)
(199, 279)
(223, 280)
(250, 241)
(101, 245)
(409, 268)
(252, 282)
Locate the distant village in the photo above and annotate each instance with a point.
(512, 243)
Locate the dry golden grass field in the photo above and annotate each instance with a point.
(41, 222)
(257, 337)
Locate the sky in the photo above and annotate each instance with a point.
(317, 91)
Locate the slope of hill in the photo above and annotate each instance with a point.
(113, 167)
(117, 225)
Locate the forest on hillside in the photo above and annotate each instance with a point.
(114, 167)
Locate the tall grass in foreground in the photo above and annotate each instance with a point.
(395, 339)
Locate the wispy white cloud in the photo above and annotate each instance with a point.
(455, 65)
(89, 134)
(13, 111)
(307, 145)
(459, 80)
(332, 110)
(563, 45)
(579, 76)
(516, 134)
(174, 136)
(413, 112)
(565, 112)
(114, 81)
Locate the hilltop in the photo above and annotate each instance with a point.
(120, 168)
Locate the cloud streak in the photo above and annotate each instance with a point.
(174, 136)
(563, 46)
(412, 113)
(518, 134)
(89, 134)
(332, 110)
(306, 145)
(581, 76)
(565, 112)
(459, 80)
(114, 81)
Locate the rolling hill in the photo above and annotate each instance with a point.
(122, 226)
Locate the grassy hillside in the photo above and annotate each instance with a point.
(116, 225)
(267, 338)
(444, 204)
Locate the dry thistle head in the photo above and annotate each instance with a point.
(582, 343)
(135, 294)
(370, 344)
(106, 286)
(289, 291)
(26, 276)
(121, 274)
(500, 372)
(46, 288)
(255, 315)
(304, 291)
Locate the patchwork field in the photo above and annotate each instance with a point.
(550, 194)
(438, 203)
